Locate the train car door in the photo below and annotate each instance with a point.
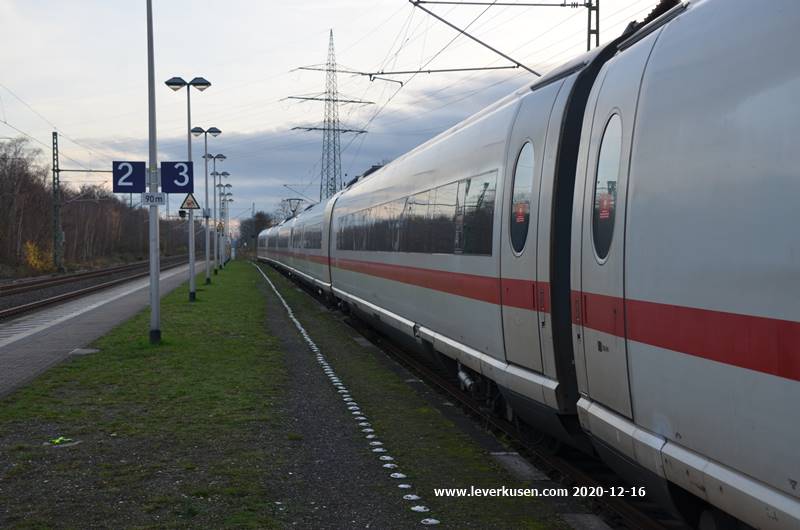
(601, 292)
(518, 242)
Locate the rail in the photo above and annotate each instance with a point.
(167, 263)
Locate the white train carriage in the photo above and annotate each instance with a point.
(615, 248)
(300, 245)
(686, 258)
(453, 242)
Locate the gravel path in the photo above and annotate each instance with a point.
(330, 479)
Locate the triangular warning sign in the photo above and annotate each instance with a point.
(189, 203)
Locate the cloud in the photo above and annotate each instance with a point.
(261, 162)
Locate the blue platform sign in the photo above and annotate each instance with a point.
(177, 177)
(129, 177)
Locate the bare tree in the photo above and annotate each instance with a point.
(98, 227)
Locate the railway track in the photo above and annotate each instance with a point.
(31, 287)
(568, 468)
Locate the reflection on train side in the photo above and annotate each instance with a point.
(455, 218)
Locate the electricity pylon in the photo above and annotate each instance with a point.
(331, 169)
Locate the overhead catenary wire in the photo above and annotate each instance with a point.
(416, 3)
(46, 146)
(605, 20)
(437, 54)
(41, 116)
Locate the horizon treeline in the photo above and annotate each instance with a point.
(99, 228)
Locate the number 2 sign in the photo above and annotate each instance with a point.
(177, 177)
(128, 177)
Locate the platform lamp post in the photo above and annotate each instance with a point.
(226, 195)
(177, 83)
(213, 131)
(214, 174)
(221, 233)
(224, 174)
(228, 201)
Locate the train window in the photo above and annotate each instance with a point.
(442, 213)
(362, 230)
(350, 232)
(456, 217)
(416, 224)
(344, 239)
(605, 186)
(283, 239)
(312, 236)
(396, 209)
(478, 213)
(297, 237)
(520, 213)
(382, 227)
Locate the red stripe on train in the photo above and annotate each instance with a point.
(762, 344)
(483, 288)
(767, 345)
(316, 258)
(515, 293)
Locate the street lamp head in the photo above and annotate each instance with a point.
(176, 83)
(197, 131)
(228, 185)
(200, 83)
(220, 157)
(215, 173)
(213, 131)
(225, 174)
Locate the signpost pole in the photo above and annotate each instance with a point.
(155, 300)
(192, 291)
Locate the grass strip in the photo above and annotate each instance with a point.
(168, 435)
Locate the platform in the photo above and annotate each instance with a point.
(32, 343)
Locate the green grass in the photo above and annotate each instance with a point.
(169, 433)
(429, 448)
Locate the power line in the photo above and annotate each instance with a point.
(48, 147)
(437, 54)
(50, 123)
(416, 3)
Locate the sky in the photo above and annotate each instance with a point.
(80, 67)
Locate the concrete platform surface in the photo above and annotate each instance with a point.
(32, 343)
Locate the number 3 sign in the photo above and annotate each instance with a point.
(177, 177)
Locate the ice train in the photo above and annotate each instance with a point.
(611, 254)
